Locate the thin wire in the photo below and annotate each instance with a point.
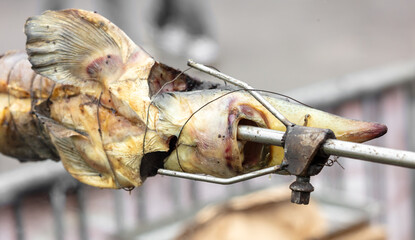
(213, 100)
(114, 175)
(281, 95)
(332, 160)
(242, 84)
(203, 106)
(151, 103)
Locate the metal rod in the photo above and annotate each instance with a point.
(331, 146)
(225, 181)
(336, 147)
(260, 135)
(370, 153)
(241, 84)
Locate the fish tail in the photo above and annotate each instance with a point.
(21, 89)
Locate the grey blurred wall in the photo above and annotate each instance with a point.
(276, 45)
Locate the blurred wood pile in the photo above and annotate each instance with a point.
(269, 214)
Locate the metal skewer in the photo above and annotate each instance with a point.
(335, 147)
(331, 146)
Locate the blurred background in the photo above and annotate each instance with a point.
(353, 58)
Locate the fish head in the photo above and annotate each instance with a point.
(206, 124)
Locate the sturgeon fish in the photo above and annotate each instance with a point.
(84, 94)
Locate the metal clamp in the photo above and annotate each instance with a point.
(303, 158)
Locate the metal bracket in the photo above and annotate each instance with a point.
(303, 158)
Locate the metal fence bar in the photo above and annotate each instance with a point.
(411, 141)
(175, 191)
(118, 210)
(354, 85)
(18, 218)
(194, 196)
(374, 173)
(82, 216)
(29, 176)
(142, 205)
(58, 200)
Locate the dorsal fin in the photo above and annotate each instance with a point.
(76, 47)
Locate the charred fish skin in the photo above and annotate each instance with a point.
(112, 113)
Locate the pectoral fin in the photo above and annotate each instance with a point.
(63, 139)
(76, 47)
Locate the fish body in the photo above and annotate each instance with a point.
(113, 115)
(21, 89)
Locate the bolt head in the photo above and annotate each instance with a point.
(300, 197)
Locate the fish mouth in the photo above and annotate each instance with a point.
(365, 132)
(254, 154)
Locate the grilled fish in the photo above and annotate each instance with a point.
(86, 95)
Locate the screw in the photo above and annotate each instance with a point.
(301, 190)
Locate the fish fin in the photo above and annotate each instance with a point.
(63, 139)
(75, 47)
